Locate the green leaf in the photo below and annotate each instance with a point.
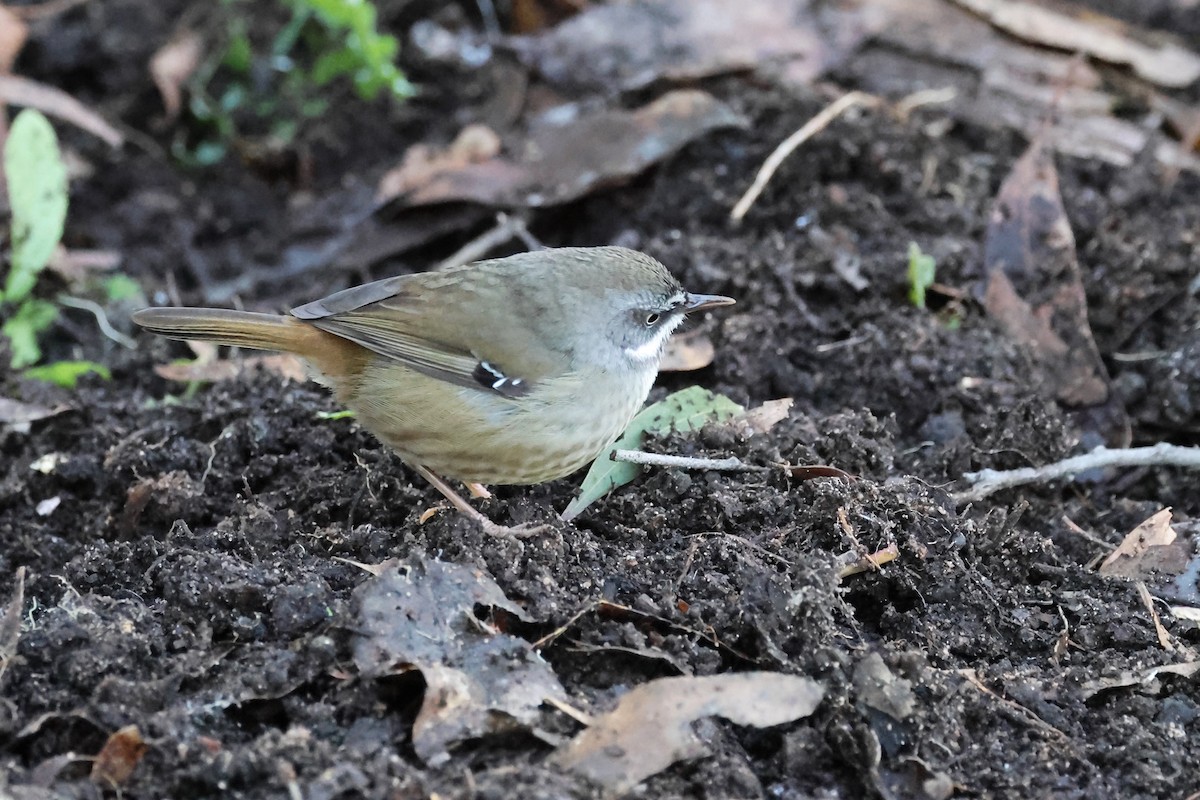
(334, 64)
(67, 373)
(686, 410)
(122, 287)
(330, 416)
(921, 271)
(37, 194)
(22, 329)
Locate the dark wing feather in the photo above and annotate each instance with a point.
(395, 318)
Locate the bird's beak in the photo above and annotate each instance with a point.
(699, 302)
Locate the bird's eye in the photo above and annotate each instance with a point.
(651, 319)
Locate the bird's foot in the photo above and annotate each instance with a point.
(467, 510)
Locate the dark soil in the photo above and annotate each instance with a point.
(195, 579)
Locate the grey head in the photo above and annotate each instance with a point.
(612, 307)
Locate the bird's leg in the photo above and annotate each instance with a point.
(478, 491)
(489, 527)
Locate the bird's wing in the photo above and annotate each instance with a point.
(423, 322)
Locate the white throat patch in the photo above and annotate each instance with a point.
(651, 349)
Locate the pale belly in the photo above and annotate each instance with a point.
(477, 436)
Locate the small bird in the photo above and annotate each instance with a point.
(514, 370)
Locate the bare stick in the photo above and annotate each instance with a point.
(57, 103)
(990, 481)
(97, 311)
(507, 227)
(785, 148)
(731, 464)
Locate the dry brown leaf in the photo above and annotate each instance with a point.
(1033, 288)
(631, 45)
(881, 689)
(1149, 548)
(687, 351)
(805, 472)
(13, 33)
(1147, 678)
(171, 67)
(18, 416)
(57, 103)
(651, 727)
(1004, 82)
(565, 160)
(76, 266)
(120, 755)
(285, 365)
(473, 145)
(761, 419)
(421, 615)
(1165, 63)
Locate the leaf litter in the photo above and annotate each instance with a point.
(651, 727)
(420, 615)
(1033, 288)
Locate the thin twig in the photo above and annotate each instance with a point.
(1164, 638)
(54, 102)
(97, 311)
(507, 227)
(785, 148)
(989, 481)
(731, 464)
(973, 678)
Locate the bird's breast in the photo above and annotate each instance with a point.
(475, 435)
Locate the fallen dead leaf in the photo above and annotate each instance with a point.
(172, 66)
(474, 144)
(805, 472)
(687, 351)
(632, 45)
(761, 419)
(1150, 548)
(19, 416)
(119, 757)
(1033, 288)
(879, 688)
(1148, 678)
(1001, 81)
(651, 727)
(285, 365)
(57, 103)
(567, 156)
(76, 266)
(421, 615)
(13, 33)
(1164, 63)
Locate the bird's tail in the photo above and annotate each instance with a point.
(222, 326)
(331, 355)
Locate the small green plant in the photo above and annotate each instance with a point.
(365, 55)
(37, 195)
(262, 92)
(922, 270)
(686, 410)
